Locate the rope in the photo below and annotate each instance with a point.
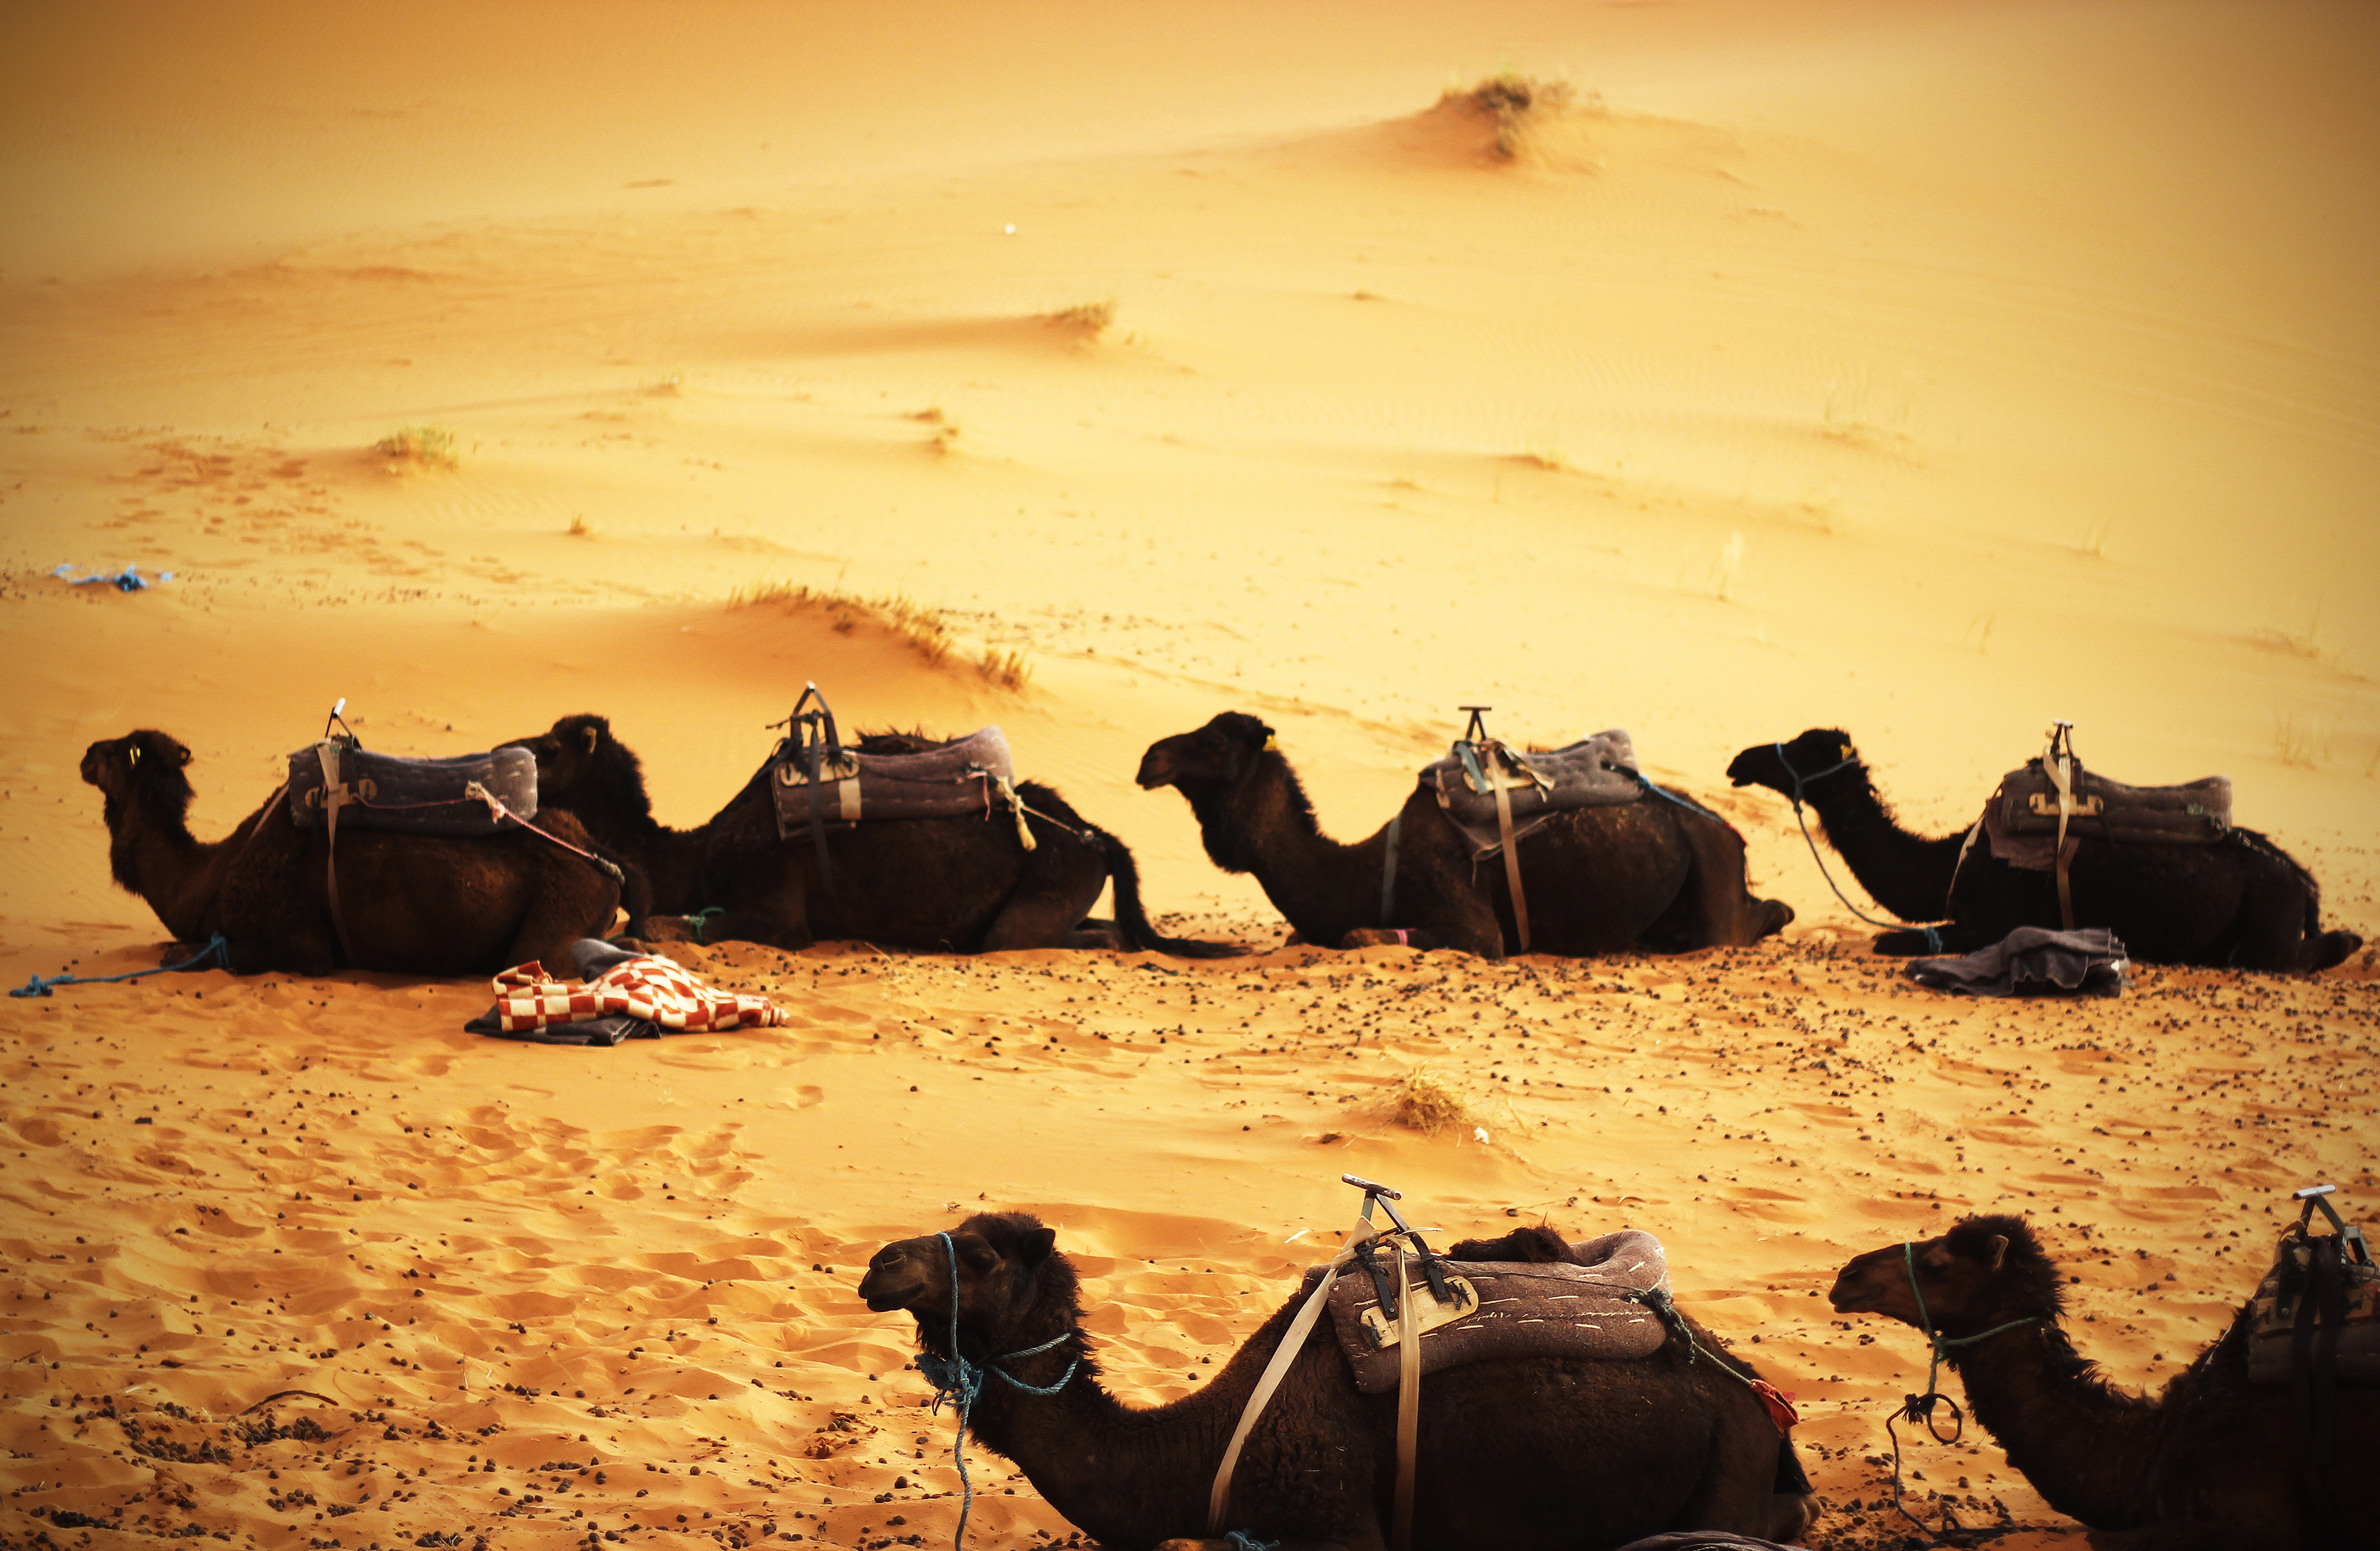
(1933, 937)
(701, 918)
(1664, 792)
(40, 985)
(1919, 1408)
(959, 1381)
(1243, 1540)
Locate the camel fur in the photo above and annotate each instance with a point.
(415, 905)
(2207, 1465)
(1516, 1456)
(1649, 875)
(957, 885)
(2239, 901)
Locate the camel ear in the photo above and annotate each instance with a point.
(593, 737)
(132, 755)
(1272, 740)
(1999, 1250)
(1035, 1247)
(185, 758)
(1847, 752)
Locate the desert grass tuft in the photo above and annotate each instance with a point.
(1422, 1100)
(419, 446)
(1514, 102)
(579, 529)
(1084, 320)
(920, 628)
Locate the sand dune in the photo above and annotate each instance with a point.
(1928, 372)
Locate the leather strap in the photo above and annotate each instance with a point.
(2061, 775)
(1389, 870)
(334, 797)
(1511, 852)
(1293, 1341)
(1408, 1406)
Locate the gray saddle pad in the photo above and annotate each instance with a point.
(2022, 817)
(1510, 1309)
(962, 777)
(419, 796)
(1594, 773)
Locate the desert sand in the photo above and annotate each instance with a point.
(1929, 371)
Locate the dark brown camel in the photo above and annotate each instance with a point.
(961, 885)
(2239, 901)
(2209, 1465)
(1648, 875)
(415, 905)
(1514, 1454)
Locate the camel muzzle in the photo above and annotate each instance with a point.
(1157, 769)
(876, 1291)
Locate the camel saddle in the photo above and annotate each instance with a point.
(2317, 1312)
(963, 777)
(1607, 1308)
(469, 795)
(1599, 772)
(2021, 820)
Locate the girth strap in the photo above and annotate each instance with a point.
(336, 796)
(1511, 851)
(2061, 769)
(1293, 1341)
(1389, 870)
(1408, 1407)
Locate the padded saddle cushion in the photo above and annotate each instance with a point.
(2021, 820)
(1592, 772)
(418, 796)
(946, 780)
(1595, 1309)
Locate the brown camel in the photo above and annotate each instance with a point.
(2209, 1465)
(1515, 1455)
(961, 885)
(1649, 875)
(415, 905)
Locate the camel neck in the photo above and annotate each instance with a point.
(1264, 826)
(1909, 875)
(2084, 1446)
(152, 851)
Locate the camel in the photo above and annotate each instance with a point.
(2208, 1465)
(959, 885)
(1649, 875)
(1514, 1454)
(2241, 902)
(415, 905)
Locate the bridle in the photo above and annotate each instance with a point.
(1933, 937)
(1919, 1408)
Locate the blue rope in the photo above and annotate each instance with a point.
(701, 918)
(1933, 937)
(40, 985)
(1246, 1542)
(960, 1382)
(1663, 792)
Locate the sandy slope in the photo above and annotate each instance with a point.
(1928, 371)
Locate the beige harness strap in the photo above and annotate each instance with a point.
(1408, 1406)
(1511, 852)
(1292, 1342)
(336, 796)
(2061, 775)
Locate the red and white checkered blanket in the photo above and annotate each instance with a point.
(654, 990)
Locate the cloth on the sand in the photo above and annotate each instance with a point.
(1708, 1540)
(129, 580)
(621, 996)
(2089, 960)
(1599, 1305)
(1597, 771)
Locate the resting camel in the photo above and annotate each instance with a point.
(415, 905)
(1646, 875)
(1515, 1455)
(958, 885)
(2209, 1465)
(2239, 901)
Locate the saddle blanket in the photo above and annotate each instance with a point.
(2021, 820)
(651, 989)
(1598, 771)
(1597, 1309)
(951, 780)
(2089, 960)
(418, 796)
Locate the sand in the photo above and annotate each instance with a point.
(1925, 372)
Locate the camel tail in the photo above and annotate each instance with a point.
(1135, 920)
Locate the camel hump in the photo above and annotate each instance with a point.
(965, 776)
(1598, 771)
(2024, 809)
(1599, 1304)
(467, 794)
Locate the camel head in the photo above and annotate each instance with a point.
(1815, 751)
(1215, 757)
(1007, 1267)
(1985, 1271)
(139, 762)
(580, 763)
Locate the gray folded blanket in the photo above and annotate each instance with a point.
(1707, 1540)
(2032, 961)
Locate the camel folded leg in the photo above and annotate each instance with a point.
(1723, 913)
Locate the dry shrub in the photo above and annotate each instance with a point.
(578, 527)
(1422, 1100)
(1084, 319)
(418, 446)
(1513, 102)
